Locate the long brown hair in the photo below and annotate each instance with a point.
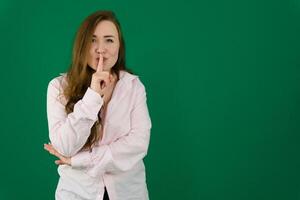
(79, 74)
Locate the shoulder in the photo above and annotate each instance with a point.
(131, 80)
(58, 82)
(56, 87)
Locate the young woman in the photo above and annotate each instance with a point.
(99, 124)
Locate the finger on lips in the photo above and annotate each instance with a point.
(100, 64)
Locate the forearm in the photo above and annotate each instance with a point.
(69, 132)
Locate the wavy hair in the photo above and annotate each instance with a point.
(79, 74)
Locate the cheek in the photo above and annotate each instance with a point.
(114, 49)
(115, 53)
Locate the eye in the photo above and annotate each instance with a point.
(110, 40)
(93, 40)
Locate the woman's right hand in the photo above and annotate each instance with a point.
(100, 79)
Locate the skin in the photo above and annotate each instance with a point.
(106, 42)
(62, 159)
(102, 56)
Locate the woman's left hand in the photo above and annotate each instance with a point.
(62, 159)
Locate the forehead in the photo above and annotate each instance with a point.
(105, 27)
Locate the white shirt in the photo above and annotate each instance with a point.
(116, 162)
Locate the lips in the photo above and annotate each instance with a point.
(104, 59)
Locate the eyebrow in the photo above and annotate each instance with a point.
(105, 36)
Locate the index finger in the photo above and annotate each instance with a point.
(100, 64)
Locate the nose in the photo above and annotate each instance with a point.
(100, 49)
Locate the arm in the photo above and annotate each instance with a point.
(68, 133)
(125, 152)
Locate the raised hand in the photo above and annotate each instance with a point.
(100, 79)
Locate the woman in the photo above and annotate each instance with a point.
(99, 124)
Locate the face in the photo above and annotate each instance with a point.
(105, 41)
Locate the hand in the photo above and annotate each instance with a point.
(100, 79)
(108, 90)
(62, 159)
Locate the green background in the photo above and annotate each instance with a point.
(223, 86)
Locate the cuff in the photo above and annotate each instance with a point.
(92, 102)
(92, 98)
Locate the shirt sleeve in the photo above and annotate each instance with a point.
(126, 151)
(69, 132)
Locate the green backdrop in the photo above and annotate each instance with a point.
(223, 86)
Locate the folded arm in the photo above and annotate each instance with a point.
(126, 151)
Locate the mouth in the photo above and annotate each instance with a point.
(97, 59)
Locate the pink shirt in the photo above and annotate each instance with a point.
(116, 162)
